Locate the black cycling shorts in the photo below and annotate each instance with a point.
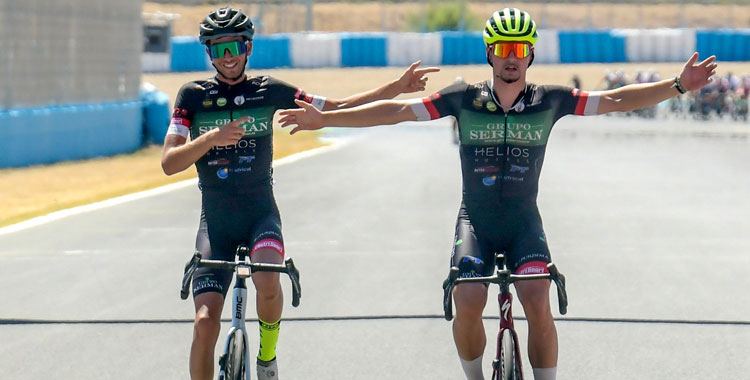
(515, 229)
(227, 221)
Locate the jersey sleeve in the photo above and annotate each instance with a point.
(182, 114)
(574, 101)
(446, 102)
(287, 94)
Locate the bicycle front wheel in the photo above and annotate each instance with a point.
(508, 366)
(234, 366)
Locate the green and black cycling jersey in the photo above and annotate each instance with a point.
(208, 104)
(502, 152)
(238, 206)
(501, 160)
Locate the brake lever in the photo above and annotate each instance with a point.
(294, 277)
(448, 285)
(562, 294)
(190, 268)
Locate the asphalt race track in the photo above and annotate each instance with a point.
(647, 219)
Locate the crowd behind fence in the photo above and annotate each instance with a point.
(725, 98)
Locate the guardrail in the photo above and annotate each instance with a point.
(307, 50)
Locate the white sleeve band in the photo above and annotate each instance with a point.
(419, 109)
(177, 129)
(318, 102)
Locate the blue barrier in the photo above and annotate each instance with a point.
(270, 51)
(188, 54)
(578, 46)
(51, 134)
(460, 48)
(363, 49)
(726, 44)
(156, 116)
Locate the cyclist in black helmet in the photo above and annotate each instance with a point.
(504, 124)
(223, 125)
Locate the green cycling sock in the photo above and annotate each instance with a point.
(269, 335)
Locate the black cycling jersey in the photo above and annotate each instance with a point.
(237, 197)
(501, 160)
(208, 104)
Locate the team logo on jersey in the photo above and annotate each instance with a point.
(491, 106)
(239, 100)
(246, 159)
(520, 106)
(477, 103)
(487, 169)
(179, 112)
(208, 103)
(516, 168)
(221, 102)
(221, 161)
(222, 173)
(489, 180)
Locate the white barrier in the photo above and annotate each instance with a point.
(405, 48)
(547, 48)
(658, 45)
(315, 50)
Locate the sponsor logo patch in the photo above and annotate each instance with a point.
(477, 103)
(222, 173)
(221, 161)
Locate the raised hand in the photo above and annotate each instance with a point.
(229, 134)
(306, 118)
(414, 79)
(694, 77)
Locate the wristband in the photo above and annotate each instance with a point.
(678, 85)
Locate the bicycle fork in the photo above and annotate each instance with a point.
(505, 301)
(239, 305)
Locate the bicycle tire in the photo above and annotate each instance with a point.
(234, 366)
(509, 367)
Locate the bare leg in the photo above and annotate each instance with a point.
(205, 333)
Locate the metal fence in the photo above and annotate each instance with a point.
(55, 52)
(288, 16)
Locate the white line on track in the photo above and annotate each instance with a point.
(335, 144)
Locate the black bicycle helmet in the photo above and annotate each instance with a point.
(226, 22)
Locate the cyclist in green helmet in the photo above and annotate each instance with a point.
(504, 124)
(223, 125)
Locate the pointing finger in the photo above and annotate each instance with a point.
(427, 70)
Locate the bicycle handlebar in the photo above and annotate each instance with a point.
(288, 267)
(504, 277)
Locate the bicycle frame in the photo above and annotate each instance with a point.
(243, 269)
(504, 278)
(239, 306)
(505, 302)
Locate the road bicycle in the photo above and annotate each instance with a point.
(233, 364)
(507, 363)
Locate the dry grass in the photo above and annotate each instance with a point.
(379, 16)
(39, 190)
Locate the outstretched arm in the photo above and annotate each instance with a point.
(635, 96)
(412, 80)
(383, 112)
